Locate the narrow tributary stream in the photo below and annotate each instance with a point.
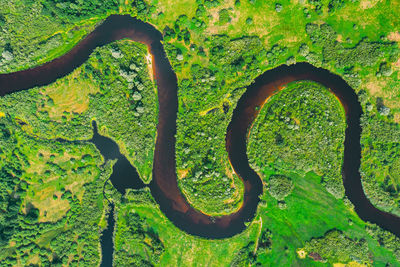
(123, 176)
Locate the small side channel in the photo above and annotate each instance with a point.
(107, 242)
(124, 176)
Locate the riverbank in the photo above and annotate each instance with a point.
(164, 184)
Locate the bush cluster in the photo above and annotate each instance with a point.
(280, 186)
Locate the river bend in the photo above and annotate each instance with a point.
(164, 186)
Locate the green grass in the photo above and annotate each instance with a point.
(58, 186)
(310, 212)
(180, 248)
(210, 85)
(99, 90)
(46, 190)
(310, 126)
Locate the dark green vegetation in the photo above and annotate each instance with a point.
(301, 128)
(294, 147)
(113, 87)
(52, 195)
(254, 254)
(211, 67)
(31, 36)
(380, 162)
(344, 57)
(207, 99)
(337, 247)
(144, 236)
(138, 243)
(76, 10)
(216, 48)
(280, 186)
(28, 231)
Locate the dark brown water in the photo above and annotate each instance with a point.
(269, 83)
(124, 175)
(164, 185)
(107, 244)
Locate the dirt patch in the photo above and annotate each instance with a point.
(394, 36)
(350, 264)
(149, 60)
(365, 4)
(301, 253)
(76, 187)
(315, 256)
(70, 94)
(182, 173)
(375, 86)
(229, 201)
(292, 39)
(381, 87)
(396, 117)
(229, 171)
(34, 260)
(50, 209)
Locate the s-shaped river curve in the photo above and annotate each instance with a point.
(164, 185)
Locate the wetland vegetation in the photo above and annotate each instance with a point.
(216, 49)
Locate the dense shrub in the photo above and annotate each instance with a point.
(380, 141)
(280, 186)
(142, 9)
(385, 239)
(364, 53)
(224, 16)
(334, 246)
(305, 133)
(278, 7)
(385, 69)
(77, 9)
(137, 237)
(244, 257)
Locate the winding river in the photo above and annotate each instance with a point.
(164, 185)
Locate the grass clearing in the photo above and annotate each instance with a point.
(69, 95)
(181, 249)
(310, 211)
(52, 173)
(171, 11)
